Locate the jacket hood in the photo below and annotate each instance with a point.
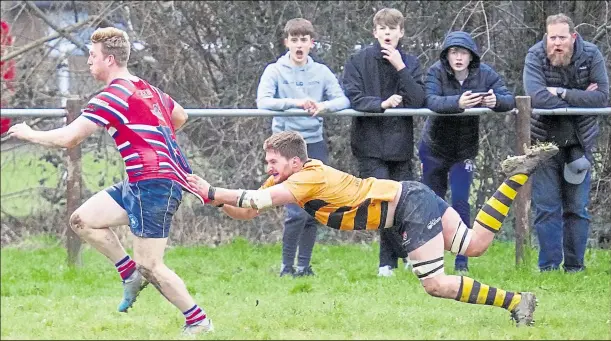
(459, 39)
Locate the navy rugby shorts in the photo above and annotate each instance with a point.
(418, 215)
(150, 205)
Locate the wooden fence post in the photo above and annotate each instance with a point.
(74, 185)
(521, 205)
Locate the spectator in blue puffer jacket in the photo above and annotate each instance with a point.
(449, 143)
(561, 71)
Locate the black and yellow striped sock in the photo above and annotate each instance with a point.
(472, 291)
(495, 210)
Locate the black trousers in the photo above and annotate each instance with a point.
(390, 240)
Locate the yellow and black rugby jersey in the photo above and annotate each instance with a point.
(338, 199)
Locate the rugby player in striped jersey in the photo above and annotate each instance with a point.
(142, 120)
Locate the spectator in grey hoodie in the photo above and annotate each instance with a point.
(297, 81)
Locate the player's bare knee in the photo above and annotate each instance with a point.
(149, 271)
(476, 248)
(433, 286)
(146, 270)
(77, 223)
(430, 272)
(146, 265)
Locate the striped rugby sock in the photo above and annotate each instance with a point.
(474, 292)
(194, 315)
(126, 267)
(495, 210)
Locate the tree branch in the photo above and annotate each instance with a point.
(41, 15)
(487, 28)
(55, 35)
(601, 31)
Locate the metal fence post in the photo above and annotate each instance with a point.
(522, 202)
(74, 185)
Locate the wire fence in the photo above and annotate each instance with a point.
(77, 182)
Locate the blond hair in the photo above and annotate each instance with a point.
(560, 18)
(288, 144)
(389, 17)
(299, 27)
(114, 42)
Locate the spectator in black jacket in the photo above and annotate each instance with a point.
(560, 71)
(376, 78)
(449, 144)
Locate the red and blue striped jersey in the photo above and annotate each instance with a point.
(138, 116)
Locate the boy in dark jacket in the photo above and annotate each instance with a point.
(449, 145)
(376, 78)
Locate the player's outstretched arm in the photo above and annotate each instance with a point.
(261, 199)
(64, 137)
(179, 116)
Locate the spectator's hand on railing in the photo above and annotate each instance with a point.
(468, 100)
(592, 87)
(306, 104)
(392, 101)
(318, 108)
(490, 100)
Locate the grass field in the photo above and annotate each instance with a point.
(238, 286)
(36, 174)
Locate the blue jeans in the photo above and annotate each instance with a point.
(300, 227)
(150, 205)
(562, 222)
(435, 175)
(390, 243)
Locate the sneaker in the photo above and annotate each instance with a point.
(523, 312)
(527, 163)
(287, 270)
(204, 326)
(408, 264)
(131, 289)
(307, 271)
(385, 271)
(574, 269)
(461, 269)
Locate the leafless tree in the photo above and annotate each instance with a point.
(212, 53)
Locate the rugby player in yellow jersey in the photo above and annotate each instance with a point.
(427, 224)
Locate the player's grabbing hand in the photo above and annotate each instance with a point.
(202, 186)
(21, 131)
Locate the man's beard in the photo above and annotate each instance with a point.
(560, 59)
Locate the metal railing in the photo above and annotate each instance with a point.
(238, 112)
(522, 116)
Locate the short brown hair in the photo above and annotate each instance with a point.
(114, 42)
(560, 18)
(299, 27)
(288, 144)
(388, 17)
